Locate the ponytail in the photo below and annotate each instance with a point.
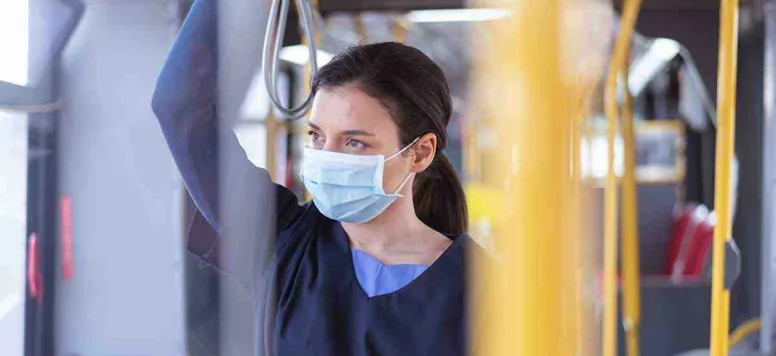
(439, 199)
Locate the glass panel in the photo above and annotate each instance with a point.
(14, 42)
(253, 138)
(13, 191)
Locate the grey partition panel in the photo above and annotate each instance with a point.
(126, 296)
(674, 318)
(656, 203)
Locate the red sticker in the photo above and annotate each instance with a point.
(66, 208)
(34, 280)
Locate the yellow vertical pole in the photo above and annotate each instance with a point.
(630, 228)
(577, 257)
(527, 94)
(271, 130)
(726, 107)
(572, 301)
(583, 261)
(573, 336)
(619, 57)
(307, 75)
(271, 133)
(400, 29)
(610, 229)
(359, 28)
(316, 40)
(533, 166)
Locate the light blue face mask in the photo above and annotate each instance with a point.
(348, 188)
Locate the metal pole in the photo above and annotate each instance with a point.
(726, 109)
(631, 291)
(769, 180)
(621, 48)
(243, 209)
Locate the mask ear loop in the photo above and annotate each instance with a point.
(396, 192)
(407, 179)
(404, 149)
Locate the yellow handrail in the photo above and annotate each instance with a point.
(744, 330)
(726, 107)
(619, 57)
(630, 228)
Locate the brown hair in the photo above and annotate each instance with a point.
(415, 91)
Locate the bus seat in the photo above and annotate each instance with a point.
(700, 246)
(686, 219)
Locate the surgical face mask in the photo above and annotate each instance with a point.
(346, 187)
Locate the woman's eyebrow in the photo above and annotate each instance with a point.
(354, 132)
(357, 133)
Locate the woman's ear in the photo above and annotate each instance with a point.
(424, 149)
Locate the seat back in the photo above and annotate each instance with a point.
(700, 247)
(686, 220)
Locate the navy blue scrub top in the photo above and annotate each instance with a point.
(319, 307)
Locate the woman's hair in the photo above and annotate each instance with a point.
(415, 92)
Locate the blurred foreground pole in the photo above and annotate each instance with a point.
(533, 75)
(244, 210)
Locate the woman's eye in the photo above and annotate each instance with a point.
(355, 144)
(315, 139)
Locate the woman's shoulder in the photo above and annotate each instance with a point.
(306, 216)
(307, 223)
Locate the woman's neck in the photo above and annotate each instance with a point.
(397, 236)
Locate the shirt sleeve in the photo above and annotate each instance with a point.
(185, 104)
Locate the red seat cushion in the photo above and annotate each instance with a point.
(686, 219)
(700, 247)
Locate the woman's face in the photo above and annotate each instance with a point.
(347, 120)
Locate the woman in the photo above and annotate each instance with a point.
(374, 265)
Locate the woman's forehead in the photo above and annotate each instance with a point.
(349, 108)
